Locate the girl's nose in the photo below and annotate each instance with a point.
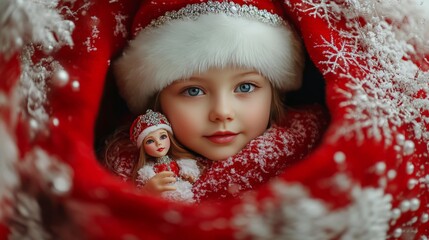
(221, 109)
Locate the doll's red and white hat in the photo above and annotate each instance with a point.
(149, 122)
(173, 40)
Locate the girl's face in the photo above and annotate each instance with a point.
(218, 112)
(157, 143)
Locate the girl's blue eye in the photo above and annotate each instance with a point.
(163, 136)
(193, 91)
(149, 141)
(245, 87)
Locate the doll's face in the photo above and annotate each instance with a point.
(218, 112)
(157, 143)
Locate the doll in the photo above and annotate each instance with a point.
(162, 166)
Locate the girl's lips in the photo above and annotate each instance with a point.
(222, 137)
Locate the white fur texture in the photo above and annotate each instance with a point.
(159, 56)
(183, 192)
(145, 173)
(188, 167)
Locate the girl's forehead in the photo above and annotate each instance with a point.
(215, 73)
(225, 70)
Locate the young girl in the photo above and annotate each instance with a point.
(162, 160)
(216, 69)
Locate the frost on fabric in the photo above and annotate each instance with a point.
(52, 175)
(33, 86)
(263, 158)
(293, 214)
(32, 21)
(385, 98)
(27, 27)
(340, 58)
(417, 12)
(30, 26)
(324, 9)
(384, 93)
(9, 179)
(43, 172)
(27, 220)
(95, 35)
(120, 29)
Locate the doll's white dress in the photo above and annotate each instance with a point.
(182, 168)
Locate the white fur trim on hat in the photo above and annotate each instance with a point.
(180, 48)
(150, 129)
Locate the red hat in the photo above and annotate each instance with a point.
(175, 39)
(143, 125)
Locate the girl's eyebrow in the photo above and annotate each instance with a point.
(246, 73)
(238, 75)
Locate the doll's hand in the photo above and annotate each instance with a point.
(189, 178)
(160, 183)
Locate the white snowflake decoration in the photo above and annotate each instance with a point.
(8, 176)
(382, 100)
(120, 29)
(340, 58)
(32, 21)
(294, 214)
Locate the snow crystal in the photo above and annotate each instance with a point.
(424, 218)
(27, 220)
(76, 85)
(32, 21)
(90, 41)
(325, 9)
(340, 57)
(8, 175)
(366, 217)
(120, 28)
(54, 175)
(339, 157)
(383, 97)
(33, 85)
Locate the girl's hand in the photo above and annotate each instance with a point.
(159, 183)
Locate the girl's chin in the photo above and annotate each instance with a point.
(221, 157)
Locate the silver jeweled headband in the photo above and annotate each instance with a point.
(193, 11)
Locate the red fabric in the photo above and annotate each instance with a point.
(167, 167)
(4, 232)
(351, 176)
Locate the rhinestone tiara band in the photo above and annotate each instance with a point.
(193, 11)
